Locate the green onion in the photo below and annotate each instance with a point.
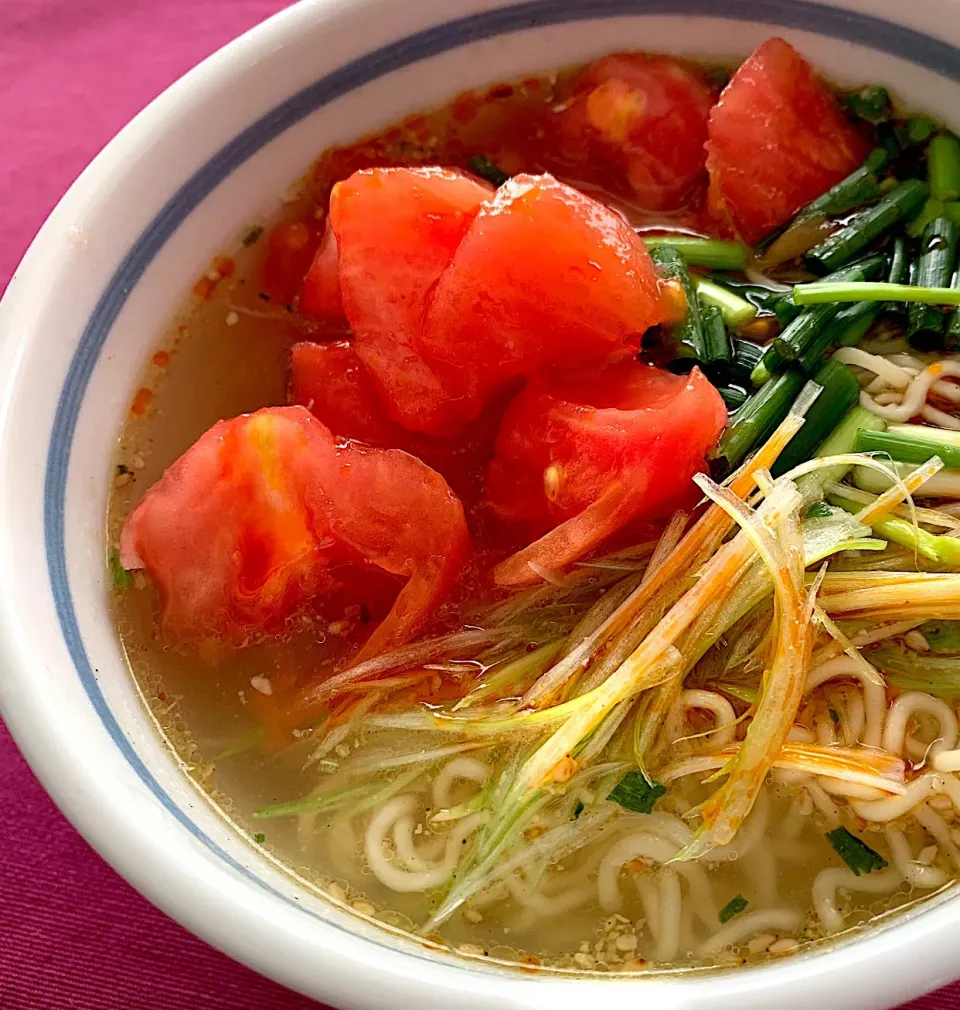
(943, 167)
(918, 129)
(899, 273)
(900, 442)
(687, 336)
(935, 265)
(634, 792)
(911, 671)
(819, 293)
(952, 336)
(941, 549)
(842, 246)
(120, 577)
(870, 103)
(717, 349)
(768, 366)
(756, 419)
(840, 392)
(858, 188)
(251, 236)
(763, 298)
(854, 852)
(942, 636)
(732, 908)
(259, 837)
(746, 357)
(702, 252)
(578, 809)
(806, 338)
(839, 442)
(733, 396)
(736, 311)
(931, 209)
(481, 165)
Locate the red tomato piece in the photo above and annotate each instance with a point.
(777, 140)
(243, 528)
(320, 294)
(290, 249)
(397, 230)
(227, 564)
(642, 122)
(332, 382)
(402, 517)
(544, 274)
(583, 457)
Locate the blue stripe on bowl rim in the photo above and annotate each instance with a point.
(862, 29)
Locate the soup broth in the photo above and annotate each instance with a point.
(438, 781)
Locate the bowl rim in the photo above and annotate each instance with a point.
(204, 82)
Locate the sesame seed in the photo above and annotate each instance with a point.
(261, 684)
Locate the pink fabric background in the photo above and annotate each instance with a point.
(73, 935)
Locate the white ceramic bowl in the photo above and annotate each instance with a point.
(89, 301)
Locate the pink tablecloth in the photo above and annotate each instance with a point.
(73, 936)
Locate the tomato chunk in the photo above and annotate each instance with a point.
(332, 382)
(320, 295)
(777, 140)
(544, 274)
(641, 120)
(401, 516)
(245, 527)
(290, 250)
(397, 230)
(582, 457)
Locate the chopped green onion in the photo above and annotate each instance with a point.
(736, 311)
(763, 298)
(715, 253)
(806, 338)
(819, 293)
(840, 441)
(911, 671)
(870, 103)
(687, 336)
(732, 908)
(931, 209)
(756, 419)
(481, 165)
(717, 348)
(935, 265)
(919, 129)
(854, 852)
(578, 809)
(942, 636)
(120, 577)
(259, 838)
(858, 188)
(940, 549)
(251, 236)
(943, 167)
(908, 447)
(843, 245)
(733, 396)
(746, 357)
(840, 392)
(634, 792)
